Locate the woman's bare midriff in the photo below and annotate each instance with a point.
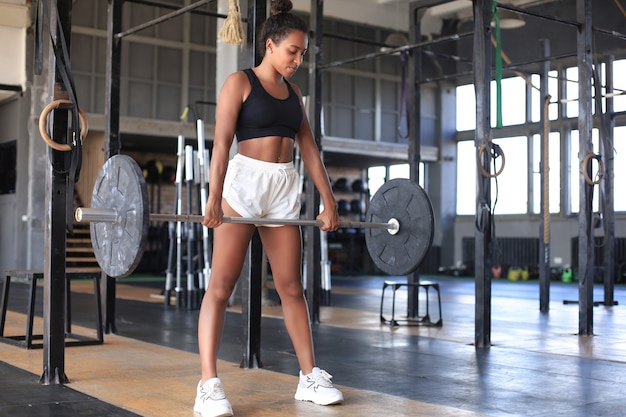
(268, 149)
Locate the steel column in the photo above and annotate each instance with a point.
(56, 217)
(252, 286)
(482, 236)
(544, 261)
(112, 140)
(607, 125)
(312, 235)
(585, 125)
(251, 307)
(415, 134)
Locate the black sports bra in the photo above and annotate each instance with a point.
(263, 115)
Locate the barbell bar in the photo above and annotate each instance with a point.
(398, 224)
(86, 214)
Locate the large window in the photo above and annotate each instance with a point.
(537, 101)
(465, 102)
(378, 175)
(619, 162)
(466, 178)
(619, 71)
(554, 168)
(509, 191)
(571, 99)
(513, 104)
(576, 171)
(620, 165)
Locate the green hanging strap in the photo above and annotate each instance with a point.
(496, 18)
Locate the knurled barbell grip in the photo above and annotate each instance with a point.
(85, 214)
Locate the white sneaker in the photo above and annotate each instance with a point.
(317, 388)
(211, 400)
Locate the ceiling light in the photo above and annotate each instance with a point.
(509, 20)
(394, 40)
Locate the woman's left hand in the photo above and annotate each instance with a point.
(330, 219)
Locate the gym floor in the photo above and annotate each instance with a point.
(537, 365)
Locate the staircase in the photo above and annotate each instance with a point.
(79, 254)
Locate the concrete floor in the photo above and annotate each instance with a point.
(537, 365)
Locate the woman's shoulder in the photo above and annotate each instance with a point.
(238, 76)
(238, 79)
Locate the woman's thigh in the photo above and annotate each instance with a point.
(283, 246)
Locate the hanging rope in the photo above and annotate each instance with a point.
(232, 31)
(496, 18)
(508, 61)
(79, 122)
(620, 7)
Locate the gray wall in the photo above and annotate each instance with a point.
(9, 114)
(562, 230)
(22, 220)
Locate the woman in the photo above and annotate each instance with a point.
(265, 112)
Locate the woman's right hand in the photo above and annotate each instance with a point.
(213, 214)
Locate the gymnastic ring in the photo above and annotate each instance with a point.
(43, 125)
(484, 172)
(586, 159)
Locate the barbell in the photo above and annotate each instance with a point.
(399, 222)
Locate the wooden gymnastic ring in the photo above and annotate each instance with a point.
(483, 171)
(43, 125)
(586, 159)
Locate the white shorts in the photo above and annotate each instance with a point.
(256, 188)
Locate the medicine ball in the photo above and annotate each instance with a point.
(359, 186)
(343, 207)
(357, 206)
(341, 185)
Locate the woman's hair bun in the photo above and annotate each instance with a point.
(281, 6)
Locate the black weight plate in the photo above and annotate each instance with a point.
(408, 203)
(119, 246)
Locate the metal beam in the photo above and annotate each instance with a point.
(170, 6)
(162, 19)
(569, 22)
(404, 48)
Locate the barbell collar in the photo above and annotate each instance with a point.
(109, 215)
